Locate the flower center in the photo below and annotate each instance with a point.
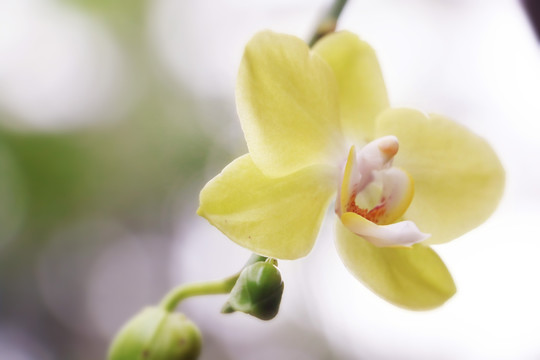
(372, 187)
(374, 195)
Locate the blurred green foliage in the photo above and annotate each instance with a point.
(135, 170)
(125, 12)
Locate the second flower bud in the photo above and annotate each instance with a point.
(257, 291)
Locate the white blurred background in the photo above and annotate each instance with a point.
(114, 113)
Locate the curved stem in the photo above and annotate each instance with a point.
(329, 21)
(176, 295)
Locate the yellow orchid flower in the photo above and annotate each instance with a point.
(317, 124)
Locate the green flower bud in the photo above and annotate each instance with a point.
(257, 291)
(155, 334)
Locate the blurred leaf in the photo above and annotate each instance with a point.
(53, 168)
(117, 11)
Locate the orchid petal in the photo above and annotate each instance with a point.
(458, 177)
(288, 107)
(414, 278)
(276, 217)
(362, 93)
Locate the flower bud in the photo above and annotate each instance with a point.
(155, 334)
(257, 291)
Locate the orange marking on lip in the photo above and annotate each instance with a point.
(372, 215)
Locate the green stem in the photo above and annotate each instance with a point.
(176, 295)
(329, 21)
